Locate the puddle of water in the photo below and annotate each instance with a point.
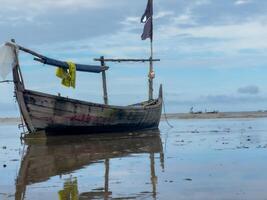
(197, 159)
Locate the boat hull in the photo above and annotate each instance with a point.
(56, 114)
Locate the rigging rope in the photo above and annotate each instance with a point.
(164, 111)
(7, 81)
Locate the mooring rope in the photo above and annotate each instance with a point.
(165, 115)
(7, 81)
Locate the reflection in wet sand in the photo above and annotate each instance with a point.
(70, 191)
(53, 156)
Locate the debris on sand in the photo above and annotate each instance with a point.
(188, 179)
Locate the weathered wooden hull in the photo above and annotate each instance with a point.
(62, 115)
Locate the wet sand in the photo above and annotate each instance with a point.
(196, 159)
(222, 115)
(9, 120)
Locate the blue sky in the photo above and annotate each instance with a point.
(213, 53)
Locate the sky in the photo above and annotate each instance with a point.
(213, 52)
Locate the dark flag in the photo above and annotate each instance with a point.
(147, 19)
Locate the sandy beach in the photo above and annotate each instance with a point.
(9, 120)
(222, 115)
(221, 158)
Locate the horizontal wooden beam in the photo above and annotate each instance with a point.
(127, 60)
(58, 63)
(79, 67)
(7, 81)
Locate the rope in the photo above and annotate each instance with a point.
(7, 81)
(164, 111)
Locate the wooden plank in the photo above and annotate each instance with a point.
(57, 63)
(104, 80)
(81, 102)
(79, 67)
(127, 60)
(19, 88)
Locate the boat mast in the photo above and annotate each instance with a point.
(151, 74)
(104, 81)
(151, 71)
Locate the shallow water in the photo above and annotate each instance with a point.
(197, 159)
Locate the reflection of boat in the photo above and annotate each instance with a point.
(62, 155)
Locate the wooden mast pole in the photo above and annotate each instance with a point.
(151, 70)
(106, 179)
(153, 176)
(150, 75)
(104, 80)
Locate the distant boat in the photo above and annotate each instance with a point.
(52, 113)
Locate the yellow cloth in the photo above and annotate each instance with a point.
(70, 191)
(68, 76)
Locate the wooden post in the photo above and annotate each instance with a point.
(150, 79)
(106, 179)
(104, 79)
(153, 176)
(151, 72)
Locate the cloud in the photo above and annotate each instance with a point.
(18, 12)
(250, 34)
(216, 99)
(251, 89)
(163, 14)
(241, 2)
(42, 6)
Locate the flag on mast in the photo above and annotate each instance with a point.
(147, 19)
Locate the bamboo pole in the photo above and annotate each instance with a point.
(151, 71)
(58, 63)
(106, 179)
(151, 74)
(127, 60)
(153, 176)
(104, 80)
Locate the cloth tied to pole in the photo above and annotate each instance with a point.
(68, 77)
(151, 75)
(7, 60)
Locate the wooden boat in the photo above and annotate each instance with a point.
(53, 156)
(53, 113)
(57, 114)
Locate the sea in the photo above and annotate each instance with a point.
(194, 159)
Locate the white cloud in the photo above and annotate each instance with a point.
(202, 2)
(241, 2)
(231, 37)
(20, 11)
(184, 19)
(45, 4)
(163, 14)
